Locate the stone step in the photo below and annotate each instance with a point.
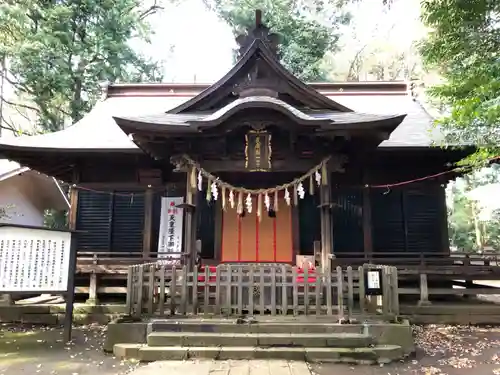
(376, 354)
(198, 339)
(231, 326)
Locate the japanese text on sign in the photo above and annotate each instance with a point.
(170, 241)
(34, 260)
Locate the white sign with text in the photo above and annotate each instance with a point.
(170, 241)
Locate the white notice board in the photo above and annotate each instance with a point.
(171, 218)
(34, 260)
(373, 280)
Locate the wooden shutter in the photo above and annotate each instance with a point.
(94, 221)
(347, 221)
(128, 221)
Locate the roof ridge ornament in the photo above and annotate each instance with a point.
(259, 32)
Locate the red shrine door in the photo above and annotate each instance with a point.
(246, 239)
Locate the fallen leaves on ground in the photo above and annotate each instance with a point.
(84, 355)
(460, 347)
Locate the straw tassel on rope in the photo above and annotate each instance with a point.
(324, 174)
(259, 207)
(209, 190)
(192, 178)
(223, 197)
(239, 206)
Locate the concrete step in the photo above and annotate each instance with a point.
(231, 326)
(312, 340)
(377, 354)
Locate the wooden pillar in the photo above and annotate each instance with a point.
(190, 222)
(92, 300)
(73, 210)
(72, 219)
(444, 217)
(326, 224)
(148, 224)
(295, 232)
(367, 218)
(404, 217)
(218, 232)
(424, 290)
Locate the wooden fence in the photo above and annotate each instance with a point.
(159, 290)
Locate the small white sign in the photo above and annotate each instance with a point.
(34, 260)
(373, 278)
(171, 218)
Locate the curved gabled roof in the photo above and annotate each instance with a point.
(293, 86)
(197, 122)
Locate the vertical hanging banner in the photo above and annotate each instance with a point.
(171, 218)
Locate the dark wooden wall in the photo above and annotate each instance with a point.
(409, 219)
(110, 222)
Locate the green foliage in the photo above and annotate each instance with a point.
(55, 219)
(463, 46)
(308, 29)
(59, 51)
(464, 226)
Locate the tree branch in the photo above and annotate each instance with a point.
(7, 125)
(26, 106)
(18, 85)
(151, 10)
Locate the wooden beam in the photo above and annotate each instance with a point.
(295, 232)
(444, 220)
(404, 216)
(148, 224)
(292, 164)
(73, 200)
(73, 210)
(190, 223)
(367, 216)
(218, 230)
(326, 224)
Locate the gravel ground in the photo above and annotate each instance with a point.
(34, 350)
(441, 350)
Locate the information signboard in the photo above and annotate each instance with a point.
(373, 282)
(34, 260)
(39, 260)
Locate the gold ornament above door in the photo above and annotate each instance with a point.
(258, 151)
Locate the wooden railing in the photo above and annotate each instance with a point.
(459, 261)
(158, 290)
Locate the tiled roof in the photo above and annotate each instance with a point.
(323, 120)
(98, 130)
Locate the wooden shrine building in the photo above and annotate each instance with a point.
(265, 167)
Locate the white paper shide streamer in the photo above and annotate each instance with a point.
(200, 181)
(317, 177)
(300, 191)
(215, 192)
(267, 202)
(287, 197)
(248, 203)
